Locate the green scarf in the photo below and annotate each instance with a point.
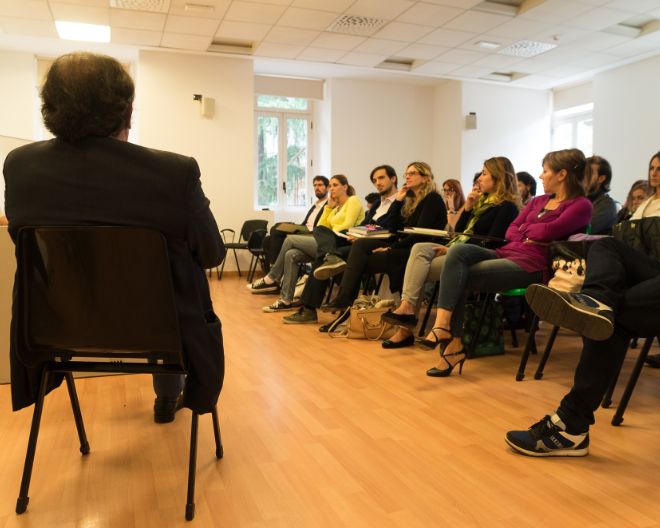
(484, 203)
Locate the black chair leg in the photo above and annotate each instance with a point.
(252, 269)
(236, 259)
(634, 376)
(222, 267)
(192, 467)
(529, 346)
(23, 499)
(607, 399)
(514, 337)
(546, 353)
(429, 308)
(77, 415)
(219, 451)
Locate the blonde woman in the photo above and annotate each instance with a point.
(490, 207)
(420, 206)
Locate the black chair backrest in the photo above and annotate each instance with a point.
(95, 291)
(251, 225)
(256, 241)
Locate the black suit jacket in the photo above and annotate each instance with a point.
(310, 211)
(105, 181)
(389, 220)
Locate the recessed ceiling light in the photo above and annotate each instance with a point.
(526, 48)
(487, 44)
(82, 32)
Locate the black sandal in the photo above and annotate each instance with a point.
(430, 344)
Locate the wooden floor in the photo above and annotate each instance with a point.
(334, 433)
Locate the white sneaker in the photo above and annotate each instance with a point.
(282, 306)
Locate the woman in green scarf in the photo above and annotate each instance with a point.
(490, 207)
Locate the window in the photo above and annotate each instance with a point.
(283, 136)
(573, 128)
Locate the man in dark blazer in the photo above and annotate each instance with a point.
(89, 174)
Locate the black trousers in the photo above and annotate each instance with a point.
(629, 282)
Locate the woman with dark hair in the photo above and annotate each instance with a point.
(562, 211)
(418, 205)
(343, 210)
(489, 210)
(639, 192)
(452, 192)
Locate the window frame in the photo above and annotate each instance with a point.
(572, 116)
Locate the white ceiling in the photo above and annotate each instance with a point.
(291, 37)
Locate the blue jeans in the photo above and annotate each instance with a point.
(475, 268)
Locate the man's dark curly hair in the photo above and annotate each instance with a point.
(86, 94)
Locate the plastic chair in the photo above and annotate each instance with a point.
(248, 227)
(86, 299)
(255, 245)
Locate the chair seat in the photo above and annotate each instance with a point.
(236, 245)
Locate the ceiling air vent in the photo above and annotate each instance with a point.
(155, 6)
(499, 7)
(237, 47)
(526, 48)
(396, 63)
(357, 25)
(503, 77)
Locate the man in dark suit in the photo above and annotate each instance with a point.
(273, 242)
(89, 174)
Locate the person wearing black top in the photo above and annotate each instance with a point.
(604, 212)
(490, 207)
(419, 205)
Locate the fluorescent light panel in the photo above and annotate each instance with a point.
(82, 32)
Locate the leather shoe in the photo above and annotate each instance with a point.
(405, 320)
(408, 341)
(166, 408)
(334, 306)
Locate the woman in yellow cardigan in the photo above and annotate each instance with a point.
(342, 211)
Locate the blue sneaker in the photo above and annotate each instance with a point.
(548, 438)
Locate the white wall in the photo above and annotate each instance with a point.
(511, 122)
(17, 92)
(375, 123)
(223, 145)
(447, 131)
(572, 96)
(626, 117)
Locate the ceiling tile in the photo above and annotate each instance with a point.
(187, 8)
(191, 25)
(556, 11)
(388, 10)
(126, 18)
(599, 18)
(421, 51)
(447, 37)
(306, 18)
(336, 6)
(293, 36)
(520, 28)
(250, 12)
(25, 9)
(435, 68)
(561, 34)
(136, 37)
(242, 30)
(283, 51)
(321, 54)
(473, 72)
(461, 4)
(380, 47)
(541, 82)
(632, 48)
(460, 56)
(595, 60)
(274, 2)
(186, 42)
(403, 32)
(336, 41)
(362, 59)
(597, 41)
(497, 61)
(25, 26)
(636, 6)
(78, 13)
(429, 14)
(94, 3)
(476, 22)
(564, 71)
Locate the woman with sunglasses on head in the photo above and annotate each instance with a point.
(562, 211)
(489, 209)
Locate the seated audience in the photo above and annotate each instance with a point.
(419, 206)
(489, 210)
(526, 186)
(598, 185)
(620, 299)
(381, 214)
(273, 242)
(639, 192)
(524, 259)
(452, 192)
(343, 210)
(371, 199)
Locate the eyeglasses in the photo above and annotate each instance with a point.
(448, 191)
(412, 173)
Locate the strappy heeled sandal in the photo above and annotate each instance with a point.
(443, 373)
(430, 344)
